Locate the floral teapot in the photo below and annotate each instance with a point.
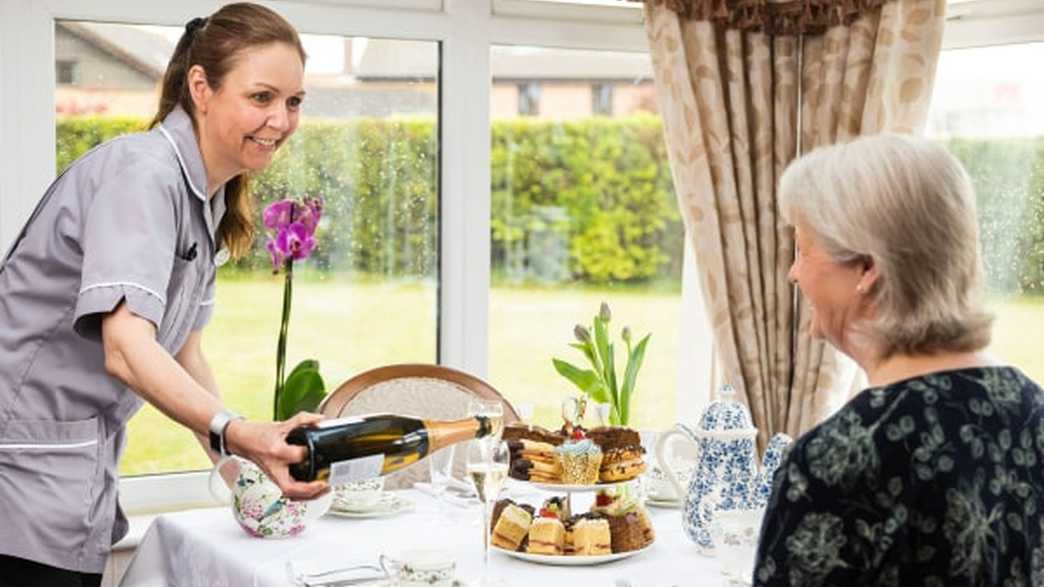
(725, 469)
(259, 506)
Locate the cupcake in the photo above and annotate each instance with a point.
(579, 462)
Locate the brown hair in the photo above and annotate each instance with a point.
(215, 43)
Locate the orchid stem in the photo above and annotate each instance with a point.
(284, 327)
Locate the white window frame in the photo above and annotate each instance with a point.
(467, 29)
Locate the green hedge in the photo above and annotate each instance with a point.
(1009, 182)
(590, 200)
(596, 195)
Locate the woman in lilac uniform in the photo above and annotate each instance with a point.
(104, 295)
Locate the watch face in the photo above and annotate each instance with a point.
(215, 443)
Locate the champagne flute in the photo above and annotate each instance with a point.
(491, 409)
(487, 466)
(440, 467)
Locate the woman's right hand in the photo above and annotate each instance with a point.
(265, 444)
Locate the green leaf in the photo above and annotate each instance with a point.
(303, 391)
(586, 379)
(634, 363)
(586, 349)
(307, 364)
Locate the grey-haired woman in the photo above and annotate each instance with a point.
(934, 475)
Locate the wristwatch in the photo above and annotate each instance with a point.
(218, 424)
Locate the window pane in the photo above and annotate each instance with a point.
(986, 110)
(583, 211)
(367, 143)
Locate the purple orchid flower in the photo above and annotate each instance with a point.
(291, 226)
(274, 254)
(278, 214)
(295, 241)
(294, 224)
(308, 213)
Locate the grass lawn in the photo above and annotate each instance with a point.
(351, 327)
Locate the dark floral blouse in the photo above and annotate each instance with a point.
(936, 480)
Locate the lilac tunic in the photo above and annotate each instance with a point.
(129, 221)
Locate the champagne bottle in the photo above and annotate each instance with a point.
(357, 448)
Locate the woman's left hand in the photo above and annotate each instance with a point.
(265, 444)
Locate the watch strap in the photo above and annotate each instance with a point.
(218, 424)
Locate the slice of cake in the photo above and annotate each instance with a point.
(626, 532)
(610, 437)
(622, 452)
(511, 527)
(591, 537)
(570, 524)
(629, 524)
(546, 536)
(646, 525)
(501, 504)
(621, 464)
(520, 431)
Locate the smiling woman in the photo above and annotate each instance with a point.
(128, 238)
(257, 106)
(240, 75)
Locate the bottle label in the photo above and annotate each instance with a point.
(338, 422)
(356, 469)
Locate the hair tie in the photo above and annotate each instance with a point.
(194, 25)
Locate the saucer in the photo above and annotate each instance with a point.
(659, 502)
(389, 504)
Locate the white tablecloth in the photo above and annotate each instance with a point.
(206, 547)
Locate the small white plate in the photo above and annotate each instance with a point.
(564, 560)
(657, 502)
(389, 504)
(576, 488)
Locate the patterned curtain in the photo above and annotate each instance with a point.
(735, 79)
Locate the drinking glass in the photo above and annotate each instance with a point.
(487, 466)
(492, 409)
(440, 467)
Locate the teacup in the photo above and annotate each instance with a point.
(735, 534)
(359, 495)
(260, 506)
(661, 488)
(427, 568)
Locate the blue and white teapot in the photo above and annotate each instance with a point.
(726, 470)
